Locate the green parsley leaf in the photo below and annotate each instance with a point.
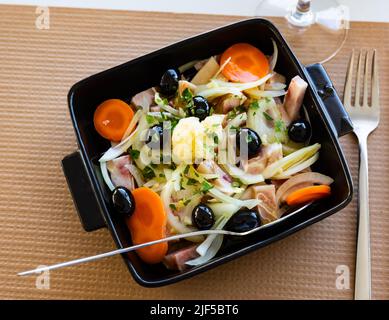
(267, 116)
(206, 186)
(187, 95)
(173, 206)
(134, 154)
(279, 126)
(191, 182)
(254, 105)
(148, 173)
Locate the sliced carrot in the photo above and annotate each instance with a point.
(148, 223)
(307, 194)
(247, 63)
(111, 119)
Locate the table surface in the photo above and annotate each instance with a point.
(39, 224)
(360, 10)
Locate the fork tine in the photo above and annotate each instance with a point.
(374, 84)
(358, 81)
(348, 85)
(365, 81)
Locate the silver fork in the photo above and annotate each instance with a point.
(365, 118)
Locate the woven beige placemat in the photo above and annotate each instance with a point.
(38, 223)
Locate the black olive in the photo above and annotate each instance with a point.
(251, 139)
(200, 108)
(299, 130)
(203, 217)
(123, 201)
(155, 137)
(243, 220)
(169, 82)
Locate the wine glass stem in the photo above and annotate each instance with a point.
(302, 15)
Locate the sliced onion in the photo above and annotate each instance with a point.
(297, 168)
(251, 203)
(306, 177)
(242, 86)
(246, 178)
(218, 91)
(275, 86)
(135, 172)
(203, 248)
(274, 57)
(107, 179)
(258, 94)
(211, 252)
(133, 123)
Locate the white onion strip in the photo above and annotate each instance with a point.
(306, 177)
(107, 179)
(132, 124)
(297, 168)
(273, 59)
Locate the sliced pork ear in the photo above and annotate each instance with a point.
(144, 99)
(294, 97)
(268, 208)
(120, 175)
(284, 115)
(269, 154)
(228, 102)
(176, 260)
(223, 182)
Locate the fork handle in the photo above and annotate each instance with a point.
(363, 271)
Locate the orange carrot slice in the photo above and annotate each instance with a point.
(247, 63)
(148, 223)
(308, 194)
(111, 119)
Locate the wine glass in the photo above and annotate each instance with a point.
(307, 25)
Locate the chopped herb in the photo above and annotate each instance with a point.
(153, 165)
(279, 125)
(196, 174)
(150, 119)
(235, 184)
(267, 99)
(148, 173)
(187, 95)
(206, 186)
(254, 105)
(186, 170)
(234, 112)
(216, 139)
(211, 111)
(161, 175)
(191, 182)
(173, 206)
(173, 166)
(267, 116)
(186, 202)
(134, 154)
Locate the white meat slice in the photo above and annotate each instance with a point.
(229, 102)
(294, 97)
(177, 259)
(269, 154)
(120, 175)
(224, 182)
(144, 99)
(268, 208)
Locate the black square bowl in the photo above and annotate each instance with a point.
(90, 194)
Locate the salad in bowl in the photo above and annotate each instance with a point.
(220, 143)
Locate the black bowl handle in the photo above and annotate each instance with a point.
(83, 192)
(341, 123)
